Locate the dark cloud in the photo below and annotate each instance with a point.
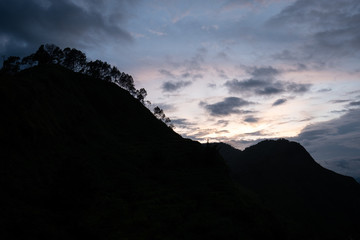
(174, 86)
(339, 101)
(238, 86)
(261, 87)
(233, 4)
(226, 107)
(221, 73)
(264, 72)
(182, 123)
(297, 88)
(269, 90)
(354, 104)
(167, 73)
(279, 102)
(195, 64)
(24, 25)
(211, 85)
(325, 90)
(332, 28)
(334, 141)
(263, 82)
(186, 75)
(223, 123)
(251, 119)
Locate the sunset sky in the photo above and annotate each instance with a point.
(236, 71)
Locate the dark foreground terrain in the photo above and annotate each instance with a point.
(81, 158)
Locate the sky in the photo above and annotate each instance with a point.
(236, 71)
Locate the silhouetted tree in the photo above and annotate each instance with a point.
(11, 65)
(55, 53)
(126, 81)
(99, 69)
(42, 56)
(159, 113)
(141, 94)
(115, 74)
(28, 61)
(74, 60)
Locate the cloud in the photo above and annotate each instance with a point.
(174, 86)
(167, 73)
(222, 123)
(182, 123)
(239, 86)
(269, 90)
(354, 104)
(251, 119)
(297, 88)
(196, 62)
(335, 141)
(264, 72)
(211, 85)
(228, 106)
(324, 90)
(262, 87)
(234, 4)
(24, 25)
(331, 28)
(279, 102)
(339, 101)
(263, 82)
(221, 73)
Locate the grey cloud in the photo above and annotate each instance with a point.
(190, 68)
(332, 28)
(238, 86)
(233, 4)
(174, 86)
(221, 73)
(264, 72)
(196, 76)
(354, 104)
(222, 55)
(269, 91)
(167, 73)
(181, 123)
(211, 85)
(263, 82)
(333, 141)
(223, 123)
(251, 119)
(227, 107)
(196, 62)
(325, 90)
(172, 75)
(222, 131)
(297, 88)
(24, 25)
(279, 102)
(339, 101)
(185, 75)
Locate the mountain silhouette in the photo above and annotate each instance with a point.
(82, 158)
(315, 203)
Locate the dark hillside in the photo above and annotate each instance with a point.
(317, 203)
(82, 158)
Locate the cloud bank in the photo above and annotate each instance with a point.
(228, 106)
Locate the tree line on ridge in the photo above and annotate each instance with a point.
(76, 61)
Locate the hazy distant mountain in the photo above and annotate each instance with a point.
(315, 202)
(83, 159)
